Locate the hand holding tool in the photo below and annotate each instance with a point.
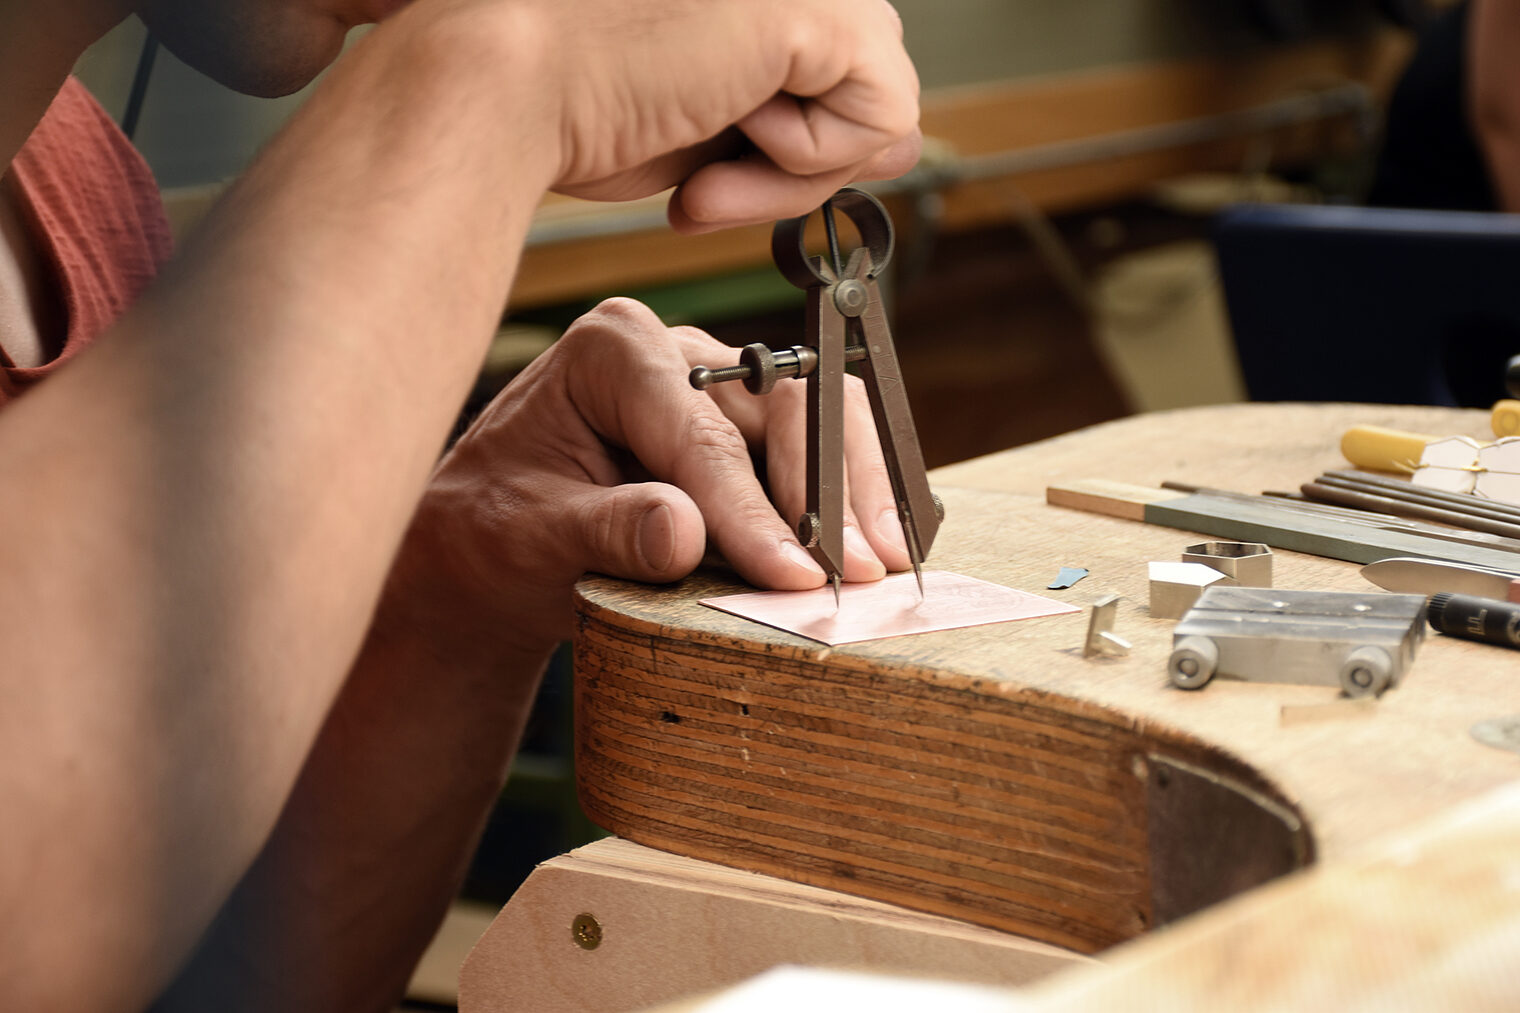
(846, 322)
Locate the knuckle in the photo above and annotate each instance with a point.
(621, 306)
(685, 334)
(620, 314)
(714, 433)
(812, 32)
(610, 334)
(599, 520)
(696, 346)
(817, 162)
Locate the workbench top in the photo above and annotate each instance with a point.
(996, 775)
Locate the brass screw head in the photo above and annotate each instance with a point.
(586, 931)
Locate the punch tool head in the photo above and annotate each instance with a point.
(846, 322)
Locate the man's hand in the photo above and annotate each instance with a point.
(753, 109)
(820, 93)
(534, 495)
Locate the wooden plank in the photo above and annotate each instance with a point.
(1111, 499)
(1104, 100)
(820, 990)
(1020, 114)
(1425, 920)
(972, 120)
(992, 774)
(671, 927)
(1000, 116)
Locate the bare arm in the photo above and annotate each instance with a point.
(214, 495)
(370, 850)
(217, 492)
(1493, 89)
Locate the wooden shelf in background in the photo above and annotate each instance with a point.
(978, 120)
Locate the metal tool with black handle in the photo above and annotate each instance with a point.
(846, 322)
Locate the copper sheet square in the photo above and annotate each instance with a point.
(888, 608)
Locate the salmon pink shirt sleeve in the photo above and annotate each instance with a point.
(94, 211)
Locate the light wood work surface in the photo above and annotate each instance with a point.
(993, 774)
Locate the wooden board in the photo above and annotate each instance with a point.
(671, 927)
(993, 774)
(626, 245)
(1430, 922)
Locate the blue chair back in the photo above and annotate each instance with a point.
(1332, 303)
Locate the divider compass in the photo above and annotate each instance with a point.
(846, 322)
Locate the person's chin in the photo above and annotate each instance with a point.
(267, 81)
(379, 10)
(269, 74)
(371, 12)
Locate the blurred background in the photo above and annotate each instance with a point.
(1057, 262)
(1053, 267)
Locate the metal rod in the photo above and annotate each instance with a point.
(1400, 507)
(1342, 100)
(1405, 489)
(832, 231)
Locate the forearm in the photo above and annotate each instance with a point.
(200, 513)
(378, 832)
(212, 498)
(1493, 90)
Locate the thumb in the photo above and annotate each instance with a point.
(646, 531)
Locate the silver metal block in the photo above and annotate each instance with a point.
(1248, 564)
(1176, 586)
(1362, 642)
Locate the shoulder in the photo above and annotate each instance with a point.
(93, 209)
(78, 156)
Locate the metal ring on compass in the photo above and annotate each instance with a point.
(870, 219)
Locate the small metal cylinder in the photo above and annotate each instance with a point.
(760, 367)
(1193, 662)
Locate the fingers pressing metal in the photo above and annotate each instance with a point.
(639, 397)
(867, 491)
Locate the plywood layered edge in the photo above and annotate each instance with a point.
(961, 794)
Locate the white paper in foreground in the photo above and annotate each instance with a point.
(815, 990)
(889, 607)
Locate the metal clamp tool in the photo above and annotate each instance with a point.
(846, 322)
